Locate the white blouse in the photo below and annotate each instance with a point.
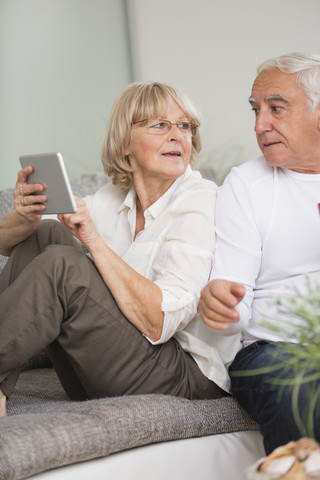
(175, 251)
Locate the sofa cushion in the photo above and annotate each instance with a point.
(44, 430)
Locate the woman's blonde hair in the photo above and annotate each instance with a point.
(140, 101)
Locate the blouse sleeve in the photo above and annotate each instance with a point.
(184, 260)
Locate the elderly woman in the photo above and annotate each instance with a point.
(122, 319)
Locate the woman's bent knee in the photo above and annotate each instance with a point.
(52, 232)
(67, 262)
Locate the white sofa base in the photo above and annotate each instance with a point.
(216, 457)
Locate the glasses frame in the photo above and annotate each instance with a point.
(193, 127)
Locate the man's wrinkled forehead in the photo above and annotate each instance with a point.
(272, 85)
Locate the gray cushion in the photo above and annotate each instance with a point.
(45, 430)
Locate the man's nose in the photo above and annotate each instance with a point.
(263, 122)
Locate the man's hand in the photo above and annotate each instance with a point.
(218, 301)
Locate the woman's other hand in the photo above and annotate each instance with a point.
(80, 224)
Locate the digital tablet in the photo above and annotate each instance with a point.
(49, 169)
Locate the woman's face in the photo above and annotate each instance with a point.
(161, 157)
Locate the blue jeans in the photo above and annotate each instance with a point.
(269, 403)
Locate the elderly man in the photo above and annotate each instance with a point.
(268, 241)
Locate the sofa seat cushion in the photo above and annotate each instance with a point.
(45, 430)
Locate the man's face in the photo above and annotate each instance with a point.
(287, 133)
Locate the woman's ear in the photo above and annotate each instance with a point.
(127, 150)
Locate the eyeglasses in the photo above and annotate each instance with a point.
(164, 126)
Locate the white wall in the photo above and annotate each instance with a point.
(63, 62)
(210, 49)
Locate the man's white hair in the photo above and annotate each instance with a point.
(306, 67)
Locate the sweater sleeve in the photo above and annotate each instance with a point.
(238, 243)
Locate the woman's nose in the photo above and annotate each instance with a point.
(174, 133)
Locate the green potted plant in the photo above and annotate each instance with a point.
(296, 460)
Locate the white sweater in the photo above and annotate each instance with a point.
(268, 238)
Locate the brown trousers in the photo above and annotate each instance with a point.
(52, 295)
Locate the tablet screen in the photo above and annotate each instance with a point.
(49, 169)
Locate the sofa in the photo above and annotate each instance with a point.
(48, 437)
